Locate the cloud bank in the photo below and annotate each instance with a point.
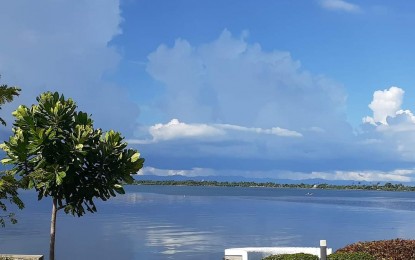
(230, 81)
(64, 46)
(397, 175)
(244, 107)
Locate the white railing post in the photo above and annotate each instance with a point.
(323, 250)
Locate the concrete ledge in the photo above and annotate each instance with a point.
(257, 253)
(21, 257)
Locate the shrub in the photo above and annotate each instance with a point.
(299, 256)
(350, 256)
(396, 249)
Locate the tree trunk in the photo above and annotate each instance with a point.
(52, 230)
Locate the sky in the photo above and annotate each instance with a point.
(257, 89)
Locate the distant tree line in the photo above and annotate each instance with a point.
(377, 186)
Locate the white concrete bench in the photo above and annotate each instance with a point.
(257, 253)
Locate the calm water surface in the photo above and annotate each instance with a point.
(164, 222)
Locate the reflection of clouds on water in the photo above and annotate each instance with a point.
(165, 238)
(139, 198)
(182, 224)
(175, 240)
(131, 198)
(185, 226)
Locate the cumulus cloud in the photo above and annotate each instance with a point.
(340, 5)
(179, 130)
(386, 103)
(392, 128)
(175, 129)
(243, 107)
(64, 46)
(231, 81)
(263, 104)
(172, 172)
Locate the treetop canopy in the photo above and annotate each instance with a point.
(57, 151)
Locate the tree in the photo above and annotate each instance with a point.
(8, 192)
(6, 95)
(57, 151)
(8, 184)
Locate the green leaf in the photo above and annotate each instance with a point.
(119, 189)
(59, 177)
(135, 157)
(31, 184)
(6, 160)
(128, 179)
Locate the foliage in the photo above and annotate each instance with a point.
(396, 249)
(350, 256)
(6, 95)
(8, 192)
(8, 185)
(58, 152)
(299, 256)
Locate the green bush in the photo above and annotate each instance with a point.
(396, 249)
(300, 256)
(350, 256)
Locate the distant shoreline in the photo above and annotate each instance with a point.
(322, 186)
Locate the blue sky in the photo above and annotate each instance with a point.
(276, 89)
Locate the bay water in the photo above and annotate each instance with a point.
(182, 222)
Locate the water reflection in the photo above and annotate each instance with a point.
(176, 240)
(183, 223)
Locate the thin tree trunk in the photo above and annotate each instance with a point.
(52, 231)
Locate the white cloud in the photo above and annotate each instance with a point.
(340, 5)
(64, 46)
(171, 172)
(175, 129)
(369, 120)
(386, 103)
(248, 102)
(232, 81)
(265, 103)
(392, 127)
(179, 130)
